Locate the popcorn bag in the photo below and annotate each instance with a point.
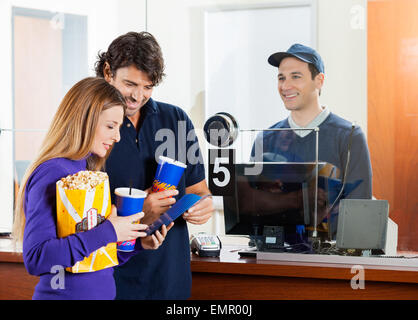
(83, 202)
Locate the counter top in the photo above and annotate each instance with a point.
(229, 262)
(8, 252)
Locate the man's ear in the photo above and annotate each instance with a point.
(107, 73)
(319, 80)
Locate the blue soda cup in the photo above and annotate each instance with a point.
(128, 201)
(168, 174)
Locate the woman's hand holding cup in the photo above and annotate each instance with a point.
(127, 228)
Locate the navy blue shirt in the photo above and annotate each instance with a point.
(334, 133)
(334, 136)
(165, 130)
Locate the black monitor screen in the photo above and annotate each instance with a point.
(280, 194)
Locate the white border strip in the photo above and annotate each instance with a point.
(318, 258)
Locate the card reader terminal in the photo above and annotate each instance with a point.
(205, 245)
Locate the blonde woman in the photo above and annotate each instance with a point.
(80, 137)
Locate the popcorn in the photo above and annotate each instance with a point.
(83, 180)
(83, 202)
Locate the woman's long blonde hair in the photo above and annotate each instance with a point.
(71, 134)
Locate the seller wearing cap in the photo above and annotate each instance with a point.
(301, 76)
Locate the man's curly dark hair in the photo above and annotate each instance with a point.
(139, 49)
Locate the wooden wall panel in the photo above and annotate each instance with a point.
(207, 286)
(393, 111)
(16, 283)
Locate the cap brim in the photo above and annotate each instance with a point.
(276, 58)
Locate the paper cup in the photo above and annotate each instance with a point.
(128, 204)
(168, 174)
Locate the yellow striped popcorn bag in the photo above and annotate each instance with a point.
(83, 202)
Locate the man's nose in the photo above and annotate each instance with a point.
(137, 94)
(285, 84)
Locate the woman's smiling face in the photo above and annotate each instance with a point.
(107, 131)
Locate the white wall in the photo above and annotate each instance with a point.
(342, 43)
(106, 20)
(238, 79)
(131, 16)
(6, 158)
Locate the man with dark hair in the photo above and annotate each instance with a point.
(134, 64)
(120, 54)
(300, 80)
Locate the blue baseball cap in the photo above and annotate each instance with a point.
(301, 52)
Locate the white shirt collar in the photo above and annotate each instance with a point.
(314, 123)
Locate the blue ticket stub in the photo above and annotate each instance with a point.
(181, 206)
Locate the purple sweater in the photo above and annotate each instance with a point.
(44, 254)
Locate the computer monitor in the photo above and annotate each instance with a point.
(282, 194)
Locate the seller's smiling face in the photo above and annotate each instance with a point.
(135, 86)
(296, 87)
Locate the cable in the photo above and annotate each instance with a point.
(346, 167)
(350, 140)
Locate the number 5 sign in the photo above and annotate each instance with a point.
(222, 172)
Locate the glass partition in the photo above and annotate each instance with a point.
(222, 67)
(49, 54)
(216, 61)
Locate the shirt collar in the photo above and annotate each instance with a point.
(314, 123)
(151, 106)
